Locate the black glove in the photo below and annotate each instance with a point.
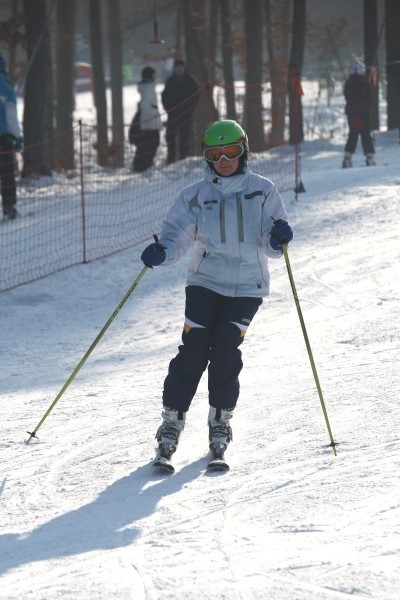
(281, 233)
(8, 141)
(154, 254)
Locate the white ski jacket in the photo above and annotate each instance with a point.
(149, 113)
(229, 219)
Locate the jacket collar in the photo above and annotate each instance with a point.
(228, 185)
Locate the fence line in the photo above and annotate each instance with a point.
(89, 212)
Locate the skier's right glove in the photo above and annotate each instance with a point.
(153, 255)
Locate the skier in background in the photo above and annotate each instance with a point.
(179, 98)
(235, 219)
(359, 100)
(10, 140)
(148, 138)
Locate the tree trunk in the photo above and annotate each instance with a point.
(99, 87)
(117, 148)
(277, 13)
(195, 45)
(212, 33)
(253, 114)
(392, 19)
(38, 96)
(227, 60)
(296, 132)
(64, 146)
(371, 55)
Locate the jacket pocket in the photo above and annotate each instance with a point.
(210, 222)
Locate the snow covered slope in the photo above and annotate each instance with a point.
(83, 515)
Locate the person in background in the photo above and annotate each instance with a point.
(148, 139)
(10, 140)
(179, 98)
(359, 100)
(236, 220)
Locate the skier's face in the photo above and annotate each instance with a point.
(226, 167)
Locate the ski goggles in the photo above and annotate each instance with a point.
(230, 152)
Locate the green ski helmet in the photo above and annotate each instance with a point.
(224, 132)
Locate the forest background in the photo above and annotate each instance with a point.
(257, 42)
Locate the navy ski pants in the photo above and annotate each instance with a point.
(359, 126)
(7, 179)
(214, 328)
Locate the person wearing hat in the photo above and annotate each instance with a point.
(148, 138)
(359, 100)
(179, 98)
(10, 140)
(234, 220)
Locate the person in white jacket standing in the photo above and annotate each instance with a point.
(235, 220)
(150, 122)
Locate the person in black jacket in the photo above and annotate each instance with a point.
(179, 98)
(10, 140)
(359, 99)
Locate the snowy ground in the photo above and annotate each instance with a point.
(84, 516)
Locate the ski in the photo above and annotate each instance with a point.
(164, 464)
(217, 462)
(6, 219)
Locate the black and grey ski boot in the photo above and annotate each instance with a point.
(169, 431)
(347, 160)
(220, 433)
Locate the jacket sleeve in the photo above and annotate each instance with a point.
(180, 226)
(273, 210)
(166, 95)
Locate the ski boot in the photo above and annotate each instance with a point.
(167, 437)
(10, 213)
(369, 160)
(347, 161)
(220, 434)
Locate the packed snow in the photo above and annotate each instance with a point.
(84, 515)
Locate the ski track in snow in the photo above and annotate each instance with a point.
(83, 515)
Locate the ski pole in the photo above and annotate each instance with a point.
(333, 444)
(32, 434)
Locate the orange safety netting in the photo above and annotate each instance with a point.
(79, 214)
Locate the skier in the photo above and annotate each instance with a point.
(179, 98)
(236, 219)
(10, 140)
(359, 99)
(148, 138)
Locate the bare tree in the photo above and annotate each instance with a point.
(12, 34)
(371, 54)
(65, 48)
(38, 98)
(117, 112)
(392, 21)
(277, 13)
(253, 117)
(296, 132)
(195, 19)
(227, 58)
(100, 99)
(212, 34)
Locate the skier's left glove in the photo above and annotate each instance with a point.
(281, 233)
(153, 255)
